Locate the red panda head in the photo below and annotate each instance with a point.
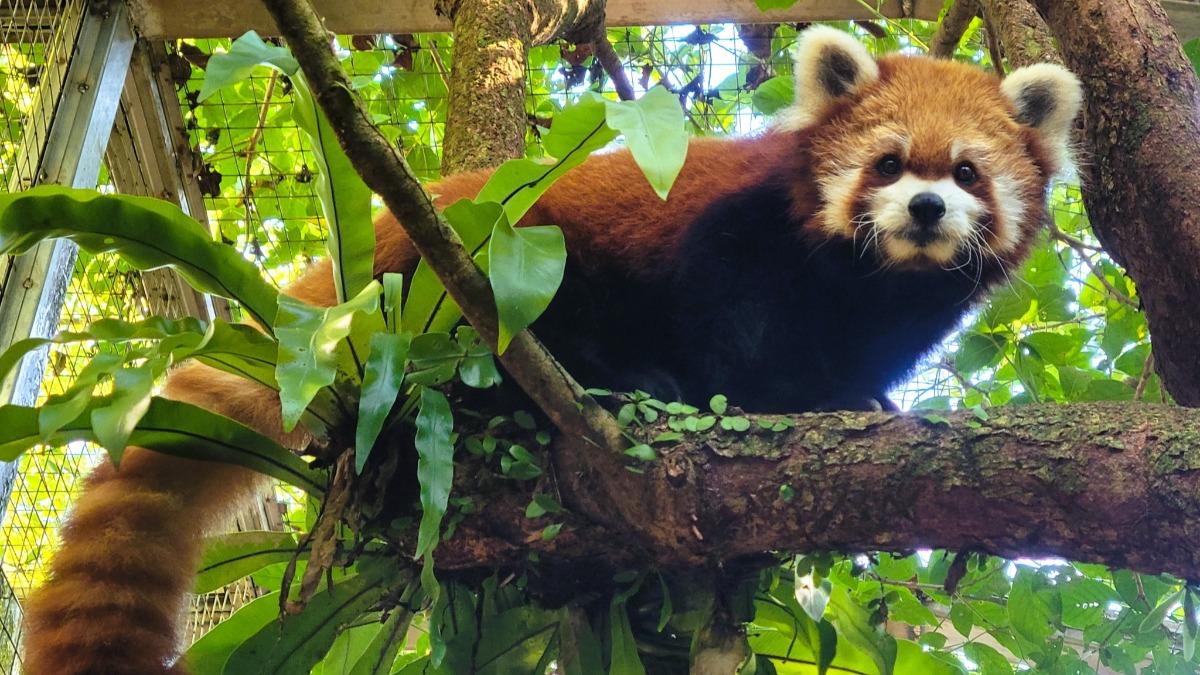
(928, 162)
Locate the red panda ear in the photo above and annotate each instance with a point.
(1046, 97)
(830, 64)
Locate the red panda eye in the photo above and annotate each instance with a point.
(889, 166)
(965, 173)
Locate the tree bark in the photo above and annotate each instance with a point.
(954, 24)
(1109, 483)
(1023, 34)
(1143, 147)
(485, 118)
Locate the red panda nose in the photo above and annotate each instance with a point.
(927, 209)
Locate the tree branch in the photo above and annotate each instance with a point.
(1110, 483)
(604, 51)
(1022, 32)
(1143, 135)
(954, 24)
(384, 170)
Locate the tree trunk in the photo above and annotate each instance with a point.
(1025, 38)
(954, 24)
(1139, 164)
(485, 119)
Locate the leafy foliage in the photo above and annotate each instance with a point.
(372, 370)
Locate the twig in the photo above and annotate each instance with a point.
(997, 55)
(384, 170)
(1082, 249)
(1147, 370)
(607, 55)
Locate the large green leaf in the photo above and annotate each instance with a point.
(173, 428)
(526, 268)
(147, 233)
(577, 132)
(244, 55)
(345, 198)
(299, 641)
(854, 624)
(435, 465)
(308, 342)
(623, 656)
(654, 133)
(773, 95)
(229, 557)
(381, 385)
(208, 655)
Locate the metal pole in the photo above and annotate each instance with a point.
(83, 119)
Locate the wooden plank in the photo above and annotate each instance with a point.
(171, 19)
(228, 18)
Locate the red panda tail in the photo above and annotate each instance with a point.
(116, 597)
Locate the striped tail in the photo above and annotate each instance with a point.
(117, 593)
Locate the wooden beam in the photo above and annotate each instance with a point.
(230, 18)
(170, 19)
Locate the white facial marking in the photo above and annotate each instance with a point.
(1010, 213)
(838, 191)
(889, 210)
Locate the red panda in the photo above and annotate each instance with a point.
(807, 267)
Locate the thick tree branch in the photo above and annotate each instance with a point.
(607, 55)
(1022, 32)
(1111, 483)
(1142, 144)
(485, 117)
(954, 24)
(384, 170)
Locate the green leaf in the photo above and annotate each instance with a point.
(229, 557)
(773, 95)
(208, 655)
(435, 465)
(812, 595)
(1192, 49)
(308, 340)
(147, 233)
(1084, 601)
(977, 351)
(384, 375)
(244, 55)
(65, 408)
(623, 657)
(526, 268)
(173, 428)
(478, 367)
(1191, 624)
(1025, 612)
(654, 131)
(1154, 620)
(718, 404)
(434, 358)
(345, 198)
(541, 505)
(855, 625)
(642, 453)
(113, 423)
(578, 131)
(990, 661)
(298, 641)
(579, 649)
(428, 308)
(378, 657)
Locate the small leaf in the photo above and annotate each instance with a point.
(245, 54)
(1154, 620)
(642, 452)
(718, 404)
(384, 376)
(478, 367)
(526, 268)
(434, 358)
(773, 95)
(435, 464)
(541, 505)
(115, 422)
(654, 129)
(551, 531)
(812, 596)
